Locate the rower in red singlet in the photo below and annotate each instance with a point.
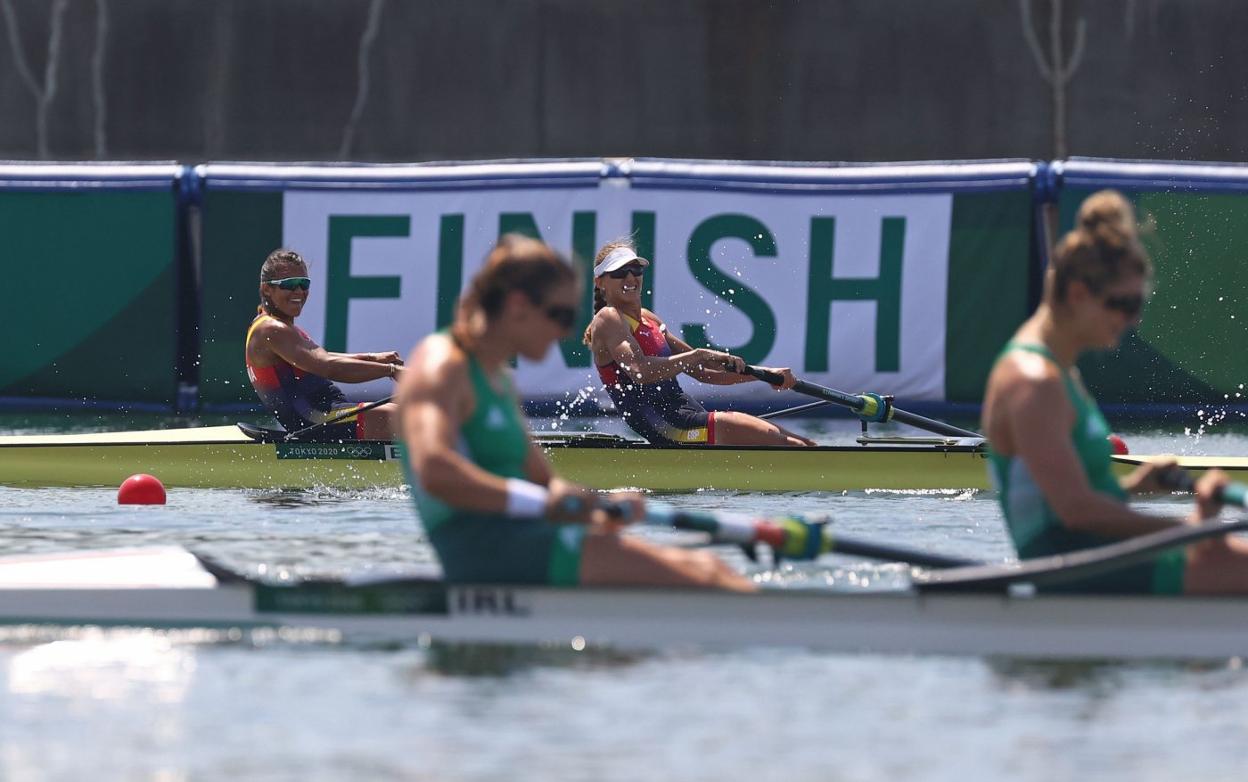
(292, 374)
(638, 360)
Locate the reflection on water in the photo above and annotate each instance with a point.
(502, 660)
(1099, 675)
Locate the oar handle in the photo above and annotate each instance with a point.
(872, 407)
(1178, 479)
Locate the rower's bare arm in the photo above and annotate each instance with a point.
(1040, 417)
(436, 397)
(712, 374)
(301, 352)
(389, 357)
(622, 348)
(613, 337)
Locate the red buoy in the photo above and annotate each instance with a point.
(1120, 445)
(141, 489)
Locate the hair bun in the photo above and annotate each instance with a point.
(1107, 217)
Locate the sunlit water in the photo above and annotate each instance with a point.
(178, 705)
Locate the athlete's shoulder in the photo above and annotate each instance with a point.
(438, 358)
(608, 315)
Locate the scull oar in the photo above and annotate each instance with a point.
(868, 406)
(337, 419)
(1063, 568)
(804, 538)
(793, 537)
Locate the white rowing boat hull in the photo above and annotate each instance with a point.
(169, 587)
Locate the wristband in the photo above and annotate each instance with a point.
(526, 499)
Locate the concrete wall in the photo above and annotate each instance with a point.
(395, 80)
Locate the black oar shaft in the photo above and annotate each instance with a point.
(857, 403)
(725, 529)
(886, 553)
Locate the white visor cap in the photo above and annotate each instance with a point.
(618, 258)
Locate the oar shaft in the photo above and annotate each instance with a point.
(789, 537)
(338, 418)
(794, 410)
(860, 403)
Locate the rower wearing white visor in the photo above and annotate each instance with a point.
(638, 360)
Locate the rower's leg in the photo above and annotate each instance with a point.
(618, 560)
(733, 428)
(381, 423)
(1217, 566)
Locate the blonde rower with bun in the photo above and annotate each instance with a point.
(1050, 457)
(494, 510)
(638, 360)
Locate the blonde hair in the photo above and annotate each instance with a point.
(600, 301)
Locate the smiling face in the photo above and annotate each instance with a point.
(287, 301)
(622, 292)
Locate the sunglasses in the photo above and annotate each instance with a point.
(291, 283)
(1130, 305)
(561, 316)
(633, 270)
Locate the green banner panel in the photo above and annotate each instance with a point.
(990, 244)
(240, 229)
(1188, 348)
(89, 295)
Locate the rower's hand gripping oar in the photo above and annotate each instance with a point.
(337, 419)
(867, 406)
(1088, 563)
(1178, 479)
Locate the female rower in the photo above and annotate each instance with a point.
(1050, 456)
(638, 360)
(493, 509)
(292, 374)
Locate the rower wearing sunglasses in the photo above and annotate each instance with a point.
(1049, 453)
(639, 360)
(489, 502)
(293, 376)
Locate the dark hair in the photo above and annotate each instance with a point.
(517, 263)
(276, 260)
(1103, 247)
(600, 300)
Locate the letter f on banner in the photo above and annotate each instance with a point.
(885, 291)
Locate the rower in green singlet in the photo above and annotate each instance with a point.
(477, 547)
(1038, 532)
(493, 508)
(1049, 455)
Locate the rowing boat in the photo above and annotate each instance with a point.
(170, 587)
(251, 457)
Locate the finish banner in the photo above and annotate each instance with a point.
(902, 293)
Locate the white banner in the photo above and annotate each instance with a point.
(849, 291)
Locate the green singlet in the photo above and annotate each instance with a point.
(1036, 529)
(482, 548)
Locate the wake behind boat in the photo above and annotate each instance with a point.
(255, 458)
